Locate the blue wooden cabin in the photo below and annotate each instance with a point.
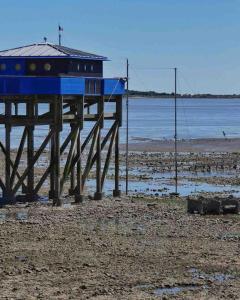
(71, 82)
(52, 69)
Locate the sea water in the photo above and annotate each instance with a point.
(153, 119)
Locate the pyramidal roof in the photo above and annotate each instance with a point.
(49, 50)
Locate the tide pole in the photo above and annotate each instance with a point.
(127, 124)
(175, 135)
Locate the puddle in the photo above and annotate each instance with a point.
(174, 290)
(44, 200)
(218, 277)
(230, 236)
(165, 187)
(145, 286)
(169, 290)
(22, 215)
(139, 228)
(196, 274)
(21, 258)
(67, 205)
(3, 216)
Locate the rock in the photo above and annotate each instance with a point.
(151, 205)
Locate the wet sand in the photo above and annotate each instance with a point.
(198, 145)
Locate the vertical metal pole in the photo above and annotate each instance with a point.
(127, 126)
(175, 136)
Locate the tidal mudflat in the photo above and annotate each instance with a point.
(144, 246)
(127, 248)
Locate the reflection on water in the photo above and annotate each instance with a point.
(166, 186)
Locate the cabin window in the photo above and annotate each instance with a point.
(47, 67)
(92, 68)
(85, 67)
(18, 67)
(32, 67)
(3, 67)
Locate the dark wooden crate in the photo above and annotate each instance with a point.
(215, 205)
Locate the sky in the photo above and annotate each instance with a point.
(200, 38)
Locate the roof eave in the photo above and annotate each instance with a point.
(55, 57)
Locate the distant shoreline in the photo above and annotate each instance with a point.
(152, 94)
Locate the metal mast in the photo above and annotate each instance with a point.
(60, 29)
(175, 136)
(127, 126)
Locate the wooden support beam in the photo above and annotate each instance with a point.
(105, 140)
(109, 154)
(85, 143)
(98, 193)
(57, 129)
(80, 115)
(117, 191)
(2, 186)
(35, 158)
(11, 163)
(30, 151)
(23, 120)
(50, 167)
(72, 174)
(8, 114)
(68, 168)
(18, 156)
(90, 156)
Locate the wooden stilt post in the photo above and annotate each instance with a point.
(57, 129)
(72, 176)
(8, 113)
(98, 194)
(116, 191)
(52, 153)
(79, 189)
(30, 152)
(109, 154)
(74, 108)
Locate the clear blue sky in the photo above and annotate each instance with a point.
(201, 38)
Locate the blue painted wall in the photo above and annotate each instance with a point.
(11, 66)
(24, 85)
(113, 86)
